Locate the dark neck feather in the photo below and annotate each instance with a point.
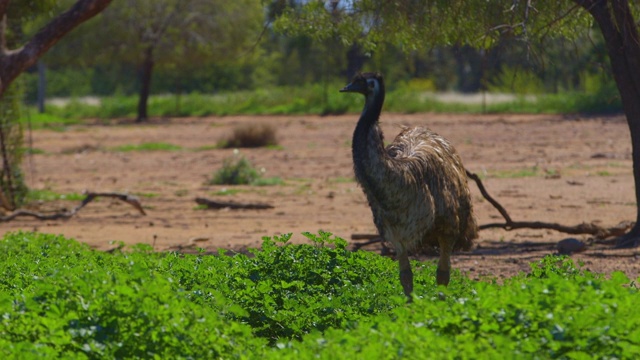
(367, 137)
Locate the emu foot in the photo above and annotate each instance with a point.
(442, 277)
(406, 279)
(629, 240)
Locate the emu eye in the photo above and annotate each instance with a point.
(371, 84)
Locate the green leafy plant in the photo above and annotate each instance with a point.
(61, 299)
(293, 289)
(236, 170)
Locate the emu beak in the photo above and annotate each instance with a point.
(351, 87)
(345, 89)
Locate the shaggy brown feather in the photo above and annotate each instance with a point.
(434, 169)
(416, 187)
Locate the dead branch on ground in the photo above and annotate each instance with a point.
(212, 204)
(90, 196)
(370, 239)
(585, 228)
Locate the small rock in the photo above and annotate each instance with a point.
(571, 245)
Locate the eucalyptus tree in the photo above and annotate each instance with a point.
(182, 34)
(19, 51)
(415, 25)
(24, 55)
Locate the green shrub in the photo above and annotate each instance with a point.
(235, 170)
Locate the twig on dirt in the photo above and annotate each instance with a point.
(212, 204)
(364, 236)
(90, 196)
(371, 239)
(585, 228)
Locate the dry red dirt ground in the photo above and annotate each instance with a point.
(564, 169)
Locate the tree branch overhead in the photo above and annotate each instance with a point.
(15, 61)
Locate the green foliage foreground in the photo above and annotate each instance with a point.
(61, 299)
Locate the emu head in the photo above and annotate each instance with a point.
(366, 83)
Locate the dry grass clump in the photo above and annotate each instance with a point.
(251, 136)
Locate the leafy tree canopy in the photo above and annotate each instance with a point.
(414, 25)
(181, 32)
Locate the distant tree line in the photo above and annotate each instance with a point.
(170, 46)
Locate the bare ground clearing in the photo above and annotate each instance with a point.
(565, 169)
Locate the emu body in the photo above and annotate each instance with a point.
(416, 187)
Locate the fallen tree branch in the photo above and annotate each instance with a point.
(589, 229)
(486, 195)
(364, 236)
(212, 204)
(370, 239)
(584, 228)
(90, 196)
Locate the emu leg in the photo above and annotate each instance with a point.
(406, 276)
(443, 272)
(442, 277)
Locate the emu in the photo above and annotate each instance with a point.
(416, 186)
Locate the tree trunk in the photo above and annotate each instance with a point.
(620, 32)
(42, 86)
(145, 84)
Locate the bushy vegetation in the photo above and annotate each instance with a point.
(251, 136)
(280, 102)
(37, 120)
(13, 188)
(59, 298)
(311, 99)
(235, 170)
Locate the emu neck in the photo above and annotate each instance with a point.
(368, 145)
